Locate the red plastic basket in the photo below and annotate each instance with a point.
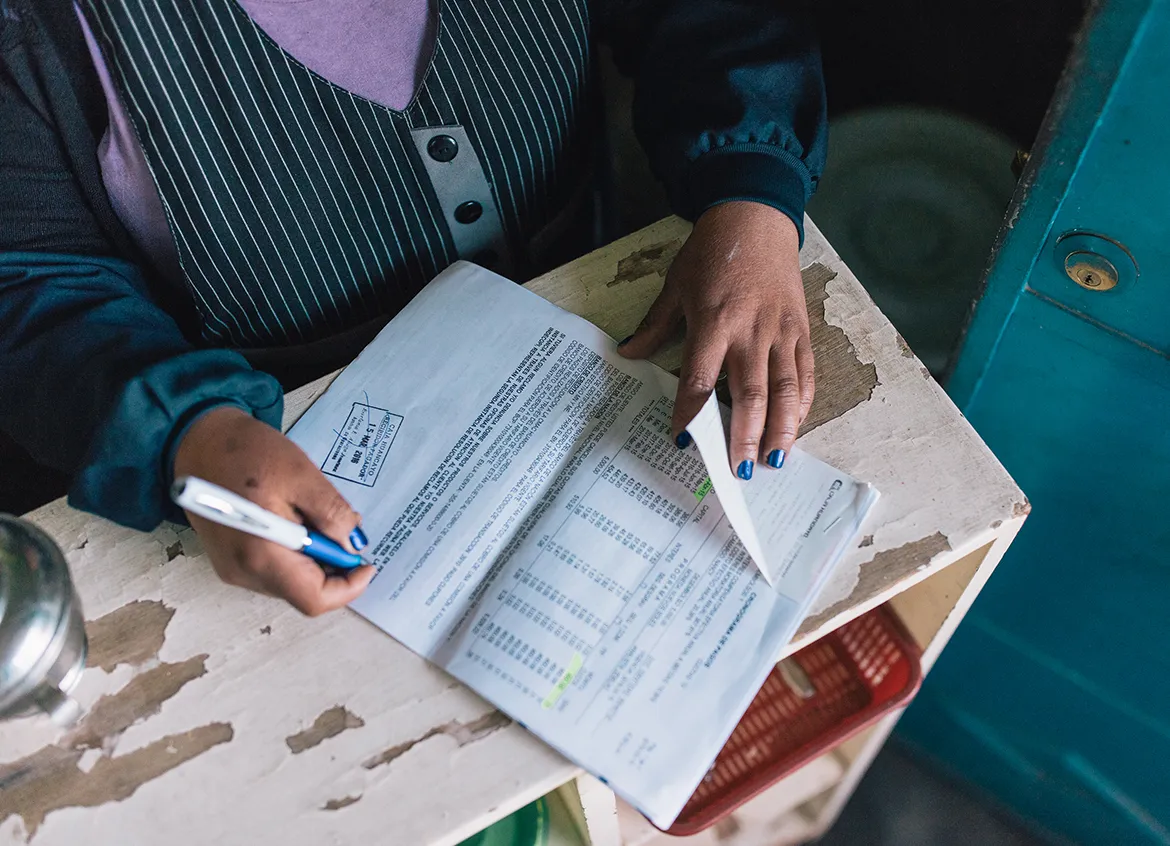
(859, 672)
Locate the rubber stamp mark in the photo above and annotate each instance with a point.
(362, 444)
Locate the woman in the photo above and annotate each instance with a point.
(198, 197)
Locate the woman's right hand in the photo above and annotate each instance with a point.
(230, 448)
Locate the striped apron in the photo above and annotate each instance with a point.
(300, 210)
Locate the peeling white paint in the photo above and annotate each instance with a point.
(934, 473)
(88, 758)
(929, 465)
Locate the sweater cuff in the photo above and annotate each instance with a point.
(760, 173)
(183, 425)
(126, 473)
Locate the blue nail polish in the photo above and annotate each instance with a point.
(745, 469)
(625, 340)
(358, 538)
(683, 440)
(776, 458)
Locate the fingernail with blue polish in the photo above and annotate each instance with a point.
(625, 340)
(683, 440)
(745, 469)
(776, 458)
(358, 538)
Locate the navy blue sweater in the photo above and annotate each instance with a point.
(101, 363)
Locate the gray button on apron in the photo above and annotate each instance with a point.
(461, 185)
(301, 211)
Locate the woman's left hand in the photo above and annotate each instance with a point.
(736, 284)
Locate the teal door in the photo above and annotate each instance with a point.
(1055, 692)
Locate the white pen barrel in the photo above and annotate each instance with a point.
(228, 509)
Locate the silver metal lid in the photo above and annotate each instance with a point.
(36, 599)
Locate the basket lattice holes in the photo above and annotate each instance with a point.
(849, 678)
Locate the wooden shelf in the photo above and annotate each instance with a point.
(227, 677)
(757, 821)
(801, 807)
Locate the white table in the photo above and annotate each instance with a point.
(219, 716)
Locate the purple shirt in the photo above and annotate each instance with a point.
(378, 49)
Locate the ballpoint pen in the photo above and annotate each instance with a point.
(228, 509)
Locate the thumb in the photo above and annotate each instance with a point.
(327, 511)
(658, 326)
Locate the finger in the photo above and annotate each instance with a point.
(784, 405)
(747, 376)
(703, 355)
(660, 324)
(301, 581)
(806, 374)
(327, 511)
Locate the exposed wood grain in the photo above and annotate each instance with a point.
(328, 724)
(655, 259)
(883, 571)
(843, 380)
(142, 698)
(130, 635)
(183, 662)
(463, 733)
(338, 804)
(51, 779)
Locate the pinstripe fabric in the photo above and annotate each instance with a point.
(299, 209)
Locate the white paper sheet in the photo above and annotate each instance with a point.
(539, 536)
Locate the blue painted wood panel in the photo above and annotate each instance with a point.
(1054, 694)
(1103, 49)
(1122, 189)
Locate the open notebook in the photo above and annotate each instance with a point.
(539, 536)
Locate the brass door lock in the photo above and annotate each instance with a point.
(1096, 262)
(1091, 271)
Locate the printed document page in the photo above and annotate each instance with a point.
(538, 534)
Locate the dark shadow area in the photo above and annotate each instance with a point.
(902, 801)
(24, 484)
(996, 62)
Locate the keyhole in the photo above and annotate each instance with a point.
(1090, 270)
